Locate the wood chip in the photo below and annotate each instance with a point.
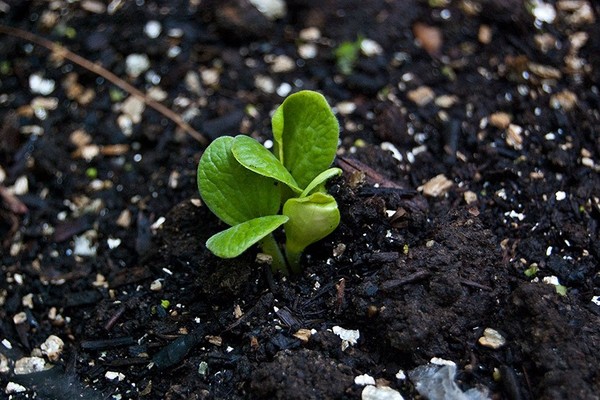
(437, 186)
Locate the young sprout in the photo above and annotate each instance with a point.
(256, 191)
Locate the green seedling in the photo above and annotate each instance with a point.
(346, 55)
(256, 191)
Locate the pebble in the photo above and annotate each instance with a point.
(264, 83)
(579, 11)
(19, 318)
(307, 51)
(38, 84)
(21, 186)
(311, 34)
(485, 34)
(303, 334)
(156, 285)
(284, 89)
(421, 96)
(565, 100)
(282, 63)
(436, 186)
(210, 76)
(370, 48)
(345, 107)
(12, 387)
(363, 380)
(500, 120)
(429, 37)
(492, 338)
(93, 6)
(112, 375)
(152, 29)
(513, 136)
(380, 393)
(52, 347)
(543, 12)
(272, 9)
(27, 301)
(470, 197)
(28, 365)
(595, 300)
(136, 64)
(133, 108)
(446, 101)
(349, 337)
(4, 368)
(560, 195)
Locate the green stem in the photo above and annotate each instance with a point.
(293, 256)
(269, 246)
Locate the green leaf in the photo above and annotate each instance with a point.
(311, 219)
(306, 135)
(232, 192)
(234, 241)
(320, 179)
(257, 158)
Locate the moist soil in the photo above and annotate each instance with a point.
(103, 230)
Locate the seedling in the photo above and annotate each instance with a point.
(256, 191)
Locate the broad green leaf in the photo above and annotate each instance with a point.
(257, 158)
(234, 193)
(234, 241)
(306, 135)
(320, 179)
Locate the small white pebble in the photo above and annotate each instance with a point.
(596, 300)
(551, 280)
(363, 380)
(136, 64)
(12, 387)
(560, 195)
(39, 84)
(156, 285)
(441, 361)
(380, 393)
(152, 29)
(284, 89)
(307, 51)
(19, 318)
(6, 344)
(370, 48)
(52, 347)
(492, 338)
(112, 375)
(400, 375)
(27, 365)
(310, 34)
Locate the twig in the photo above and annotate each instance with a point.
(63, 52)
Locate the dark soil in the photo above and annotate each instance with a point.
(106, 251)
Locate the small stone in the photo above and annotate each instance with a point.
(27, 301)
(437, 186)
(429, 37)
(543, 12)
(152, 29)
(210, 77)
(595, 300)
(500, 120)
(28, 365)
(579, 12)
(307, 51)
(284, 89)
(380, 393)
(421, 96)
(282, 63)
(112, 375)
(264, 83)
(514, 136)
(363, 380)
(124, 220)
(565, 100)
(136, 64)
(133, 108)
(38, 84)
(21, 186)
(12, 387)
(349, 337)
(156, 285)
(560, 195)
(93, 6)
(492, 338)
(485, 34)
(370, 48)
(52, 347)
(470, 197)
(4, 368)
(272, 9)
(303, 334)
(19, 318)
(446, 101)
(311, 34)
(544, 71)
(345, 107)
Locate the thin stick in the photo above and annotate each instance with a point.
(62, 51)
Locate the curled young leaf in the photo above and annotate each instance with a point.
(310, 220)
(320, 180)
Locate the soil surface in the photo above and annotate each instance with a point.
(470, 202)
